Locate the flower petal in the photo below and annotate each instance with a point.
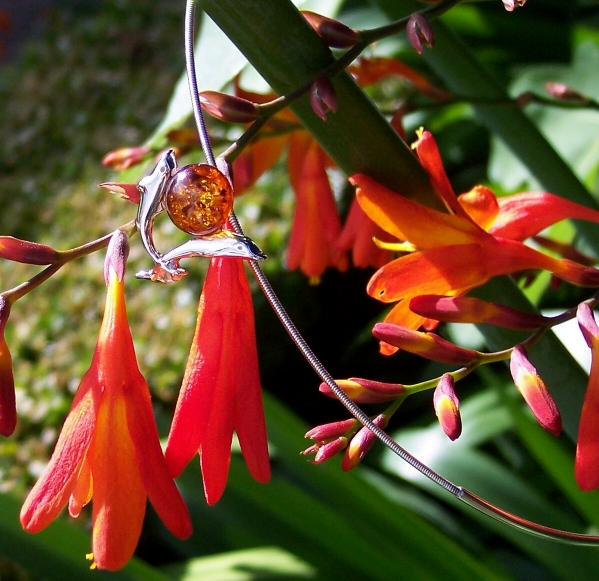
(409, 220)
(52, 490)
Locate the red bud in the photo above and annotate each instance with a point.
(334, 33)
(447, 407)
(116, 256)
(323, 97)
(129, 192)
(229, 107)
(420, 32)
(125, 157)
(27, 252)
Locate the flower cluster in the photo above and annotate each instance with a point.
(108, 452)
(443, 255)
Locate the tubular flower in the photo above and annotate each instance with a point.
(586, 467)
(109, 448)
(221, 387)
(455, 254)
(316, 224)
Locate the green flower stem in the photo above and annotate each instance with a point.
(287, 52)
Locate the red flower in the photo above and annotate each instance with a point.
(221, 387)
(109, 446)
(586, 468)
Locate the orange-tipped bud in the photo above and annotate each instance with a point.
(420, 32)
(125, 157)
(365, 390)
(27, 252)
(564, 93)
(323, 97)
(447, 407)
(473, 310)
(116, 256)
(229, 107)
(334, 33)
(8, 410)
(427, 345)
(324, 451)
(534, 391)
(360, 444)
(129, 192)
(332, 430)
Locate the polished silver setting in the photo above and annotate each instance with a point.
(166, 269)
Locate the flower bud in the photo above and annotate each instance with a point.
(323, 97)
(324, 451)
(473, 310)
(116, 256)
(447, 407)
(360, 444)
(511, 5)
(565, 93)
(8, 410)
(365, 390)
(229, 107)
(27, 252)
(534, 391)
(427, 345)
(334, 33)
(420, 32)
(129, 192)
(125, 157)
(332, 430)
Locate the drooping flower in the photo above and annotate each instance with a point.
(108, 448)
(586, 467)
(454, 253)
(221, 391)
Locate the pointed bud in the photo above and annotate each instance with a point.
(8, 410)
(229, 107)
(427, 345)
(534, 391)
(365, 390)
(324, 451)
(332, 430)
(129, 192)
(473, 310)
(565, 93)
(420, 32)
(360, 444)
(447, 407)
(511, 5)
(125, 157)
(116, 256)
(334, 33)
(323, 97)
(27, 252)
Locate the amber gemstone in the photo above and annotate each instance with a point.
(199, 199)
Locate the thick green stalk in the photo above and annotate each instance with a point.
(285, 50)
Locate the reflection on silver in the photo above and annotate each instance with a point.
(153, 188)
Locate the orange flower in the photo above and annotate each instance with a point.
(221, 387)
(454, 253)
(109, 446)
